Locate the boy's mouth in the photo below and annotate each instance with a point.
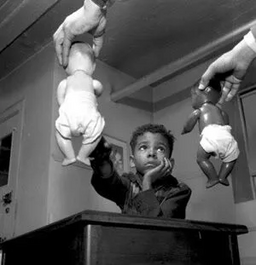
(151, 164)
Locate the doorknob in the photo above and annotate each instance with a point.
(7, 198)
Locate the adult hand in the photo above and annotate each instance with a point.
(162, 170)
(231, 67)
(89, 18)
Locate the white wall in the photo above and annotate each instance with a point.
(32, 82)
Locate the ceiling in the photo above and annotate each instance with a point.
(141, 36)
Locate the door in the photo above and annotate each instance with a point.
(10, 138)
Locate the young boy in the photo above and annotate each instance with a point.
(78, 113)
(152, 191)
(216, 138)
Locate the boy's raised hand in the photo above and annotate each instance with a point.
(162, 170)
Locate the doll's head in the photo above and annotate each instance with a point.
(211, 94)
(81, 57)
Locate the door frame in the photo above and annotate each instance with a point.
(15, 109)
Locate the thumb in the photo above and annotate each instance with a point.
(107, 145)
(206, 77)
(203, 84)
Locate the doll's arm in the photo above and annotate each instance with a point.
(191, 121)
(61, 91)
(97, 86)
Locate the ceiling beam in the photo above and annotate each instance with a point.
(17, 16)
(173, 69)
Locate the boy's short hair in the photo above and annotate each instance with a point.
(152, 128)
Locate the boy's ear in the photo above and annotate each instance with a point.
(132, 165)
(172, 162)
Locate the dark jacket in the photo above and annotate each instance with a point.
(168, 198)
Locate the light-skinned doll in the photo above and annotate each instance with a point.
(78, 112)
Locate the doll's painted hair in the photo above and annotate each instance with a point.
(78, 46)
(213, 93)
(152, 128)
(214, 83)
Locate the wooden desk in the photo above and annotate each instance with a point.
(102, 238)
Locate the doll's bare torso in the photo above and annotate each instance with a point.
(210, 114)
(79, 81)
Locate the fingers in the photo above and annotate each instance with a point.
(65, 50)
(167, 166)
(230, 88)
(107, 145)
(220, 66)
(233, 92)
(62, 39)
(97, 45)
(207, 76)
(58, 37)
(234, 87)
(161, 168)
(225, 91)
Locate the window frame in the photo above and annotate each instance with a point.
(242, 94)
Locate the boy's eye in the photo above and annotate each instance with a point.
(142, 147)
(161, 149)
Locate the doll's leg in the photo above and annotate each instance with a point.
(225, 170)
(207, 167)
(66, 148)
(86, 150)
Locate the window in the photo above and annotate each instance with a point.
(5, 156)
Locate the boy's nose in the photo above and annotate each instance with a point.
(152, 152)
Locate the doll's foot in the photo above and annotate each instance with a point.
(211, 183)
(85, 161)
(67, 161)
(224, 182)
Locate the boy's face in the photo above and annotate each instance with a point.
(149, 151)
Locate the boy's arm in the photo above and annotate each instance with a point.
(100, 159)
(105, 179)
(191, 121)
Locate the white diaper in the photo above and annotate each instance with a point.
(78, 115)
(218, 139)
